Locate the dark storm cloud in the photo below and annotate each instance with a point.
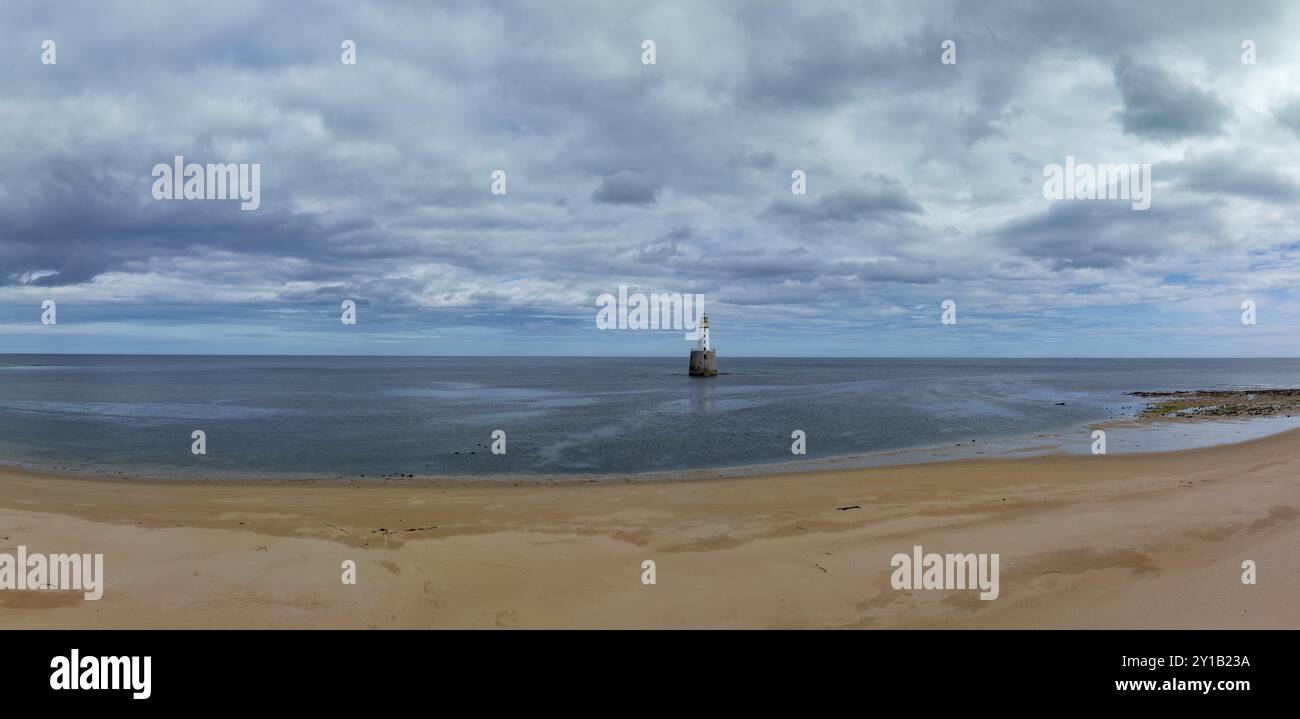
(1158, 105)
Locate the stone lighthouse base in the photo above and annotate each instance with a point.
(704, 363)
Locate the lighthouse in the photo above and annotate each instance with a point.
(704, 360)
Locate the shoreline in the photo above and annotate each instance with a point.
(1125, 540)
(1159, 430)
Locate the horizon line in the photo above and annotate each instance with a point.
(674, 356)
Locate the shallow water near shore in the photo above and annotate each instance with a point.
(297, 417)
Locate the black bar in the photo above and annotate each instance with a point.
(926, 669)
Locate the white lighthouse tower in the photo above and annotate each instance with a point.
(704, 360)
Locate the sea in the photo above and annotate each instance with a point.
(588, 417)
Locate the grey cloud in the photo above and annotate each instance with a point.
(1231, 173)
(894, 270)
(666, 248)
(813, 60)
(747, 156)
(879, 198)
(1161, 107)
(626, 187)
(1107, 234)
(1288, 114)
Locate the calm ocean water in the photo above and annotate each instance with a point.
(353, 416)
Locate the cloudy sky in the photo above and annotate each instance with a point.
(925, 180)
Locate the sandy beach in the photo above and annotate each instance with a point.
(1154, 540)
